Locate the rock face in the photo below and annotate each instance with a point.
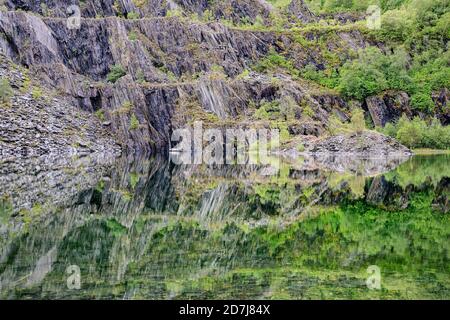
(298, 10)
(234, 10)
(368, 144)
(442, 101)
(170, 67)
(391, 105)
(173, 69)
(388, 107)
(33, 123)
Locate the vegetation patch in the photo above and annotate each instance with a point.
(117, 72)
(5, 91)
(417, 133)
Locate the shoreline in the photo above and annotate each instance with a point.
(430, 152)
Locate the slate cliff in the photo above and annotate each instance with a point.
(179, 61)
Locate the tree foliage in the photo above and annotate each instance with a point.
(374, 72)
(417, 133)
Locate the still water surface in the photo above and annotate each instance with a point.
(140, 228)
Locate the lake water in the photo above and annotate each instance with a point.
(139, 228)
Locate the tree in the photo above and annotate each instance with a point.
(374, 72)
(362, 77)
(398, 24)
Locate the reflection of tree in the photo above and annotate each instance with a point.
(419, 169)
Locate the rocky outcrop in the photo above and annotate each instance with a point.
(388, 107)
(365, 144)
(34, 123)
(442, 101)
(391, 105)
(77, 62)
(234, 10)
(298, 10)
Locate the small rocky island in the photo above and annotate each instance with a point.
(364, 144)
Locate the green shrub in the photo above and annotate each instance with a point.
(310, 72)
(100, 114)
(307, 111)
(374, 72)
(430, 72)
(288, 108)
(397, 24)
(274, 61)
(5, 91)
(437, 136)
(134, 122)
(116, 73)
(132, 36)
(244, 74)
(259, 22)
(422, 28)
(44, 9)
(390, 130)
(133, 15)
(268, 110)
(357, 123)
(417, 133)
(140, 3)
(140, 76)
(362, 77)
(174, 13)
(411, 133)
(422, 100)
(36, 93)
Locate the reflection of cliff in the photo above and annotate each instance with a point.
(441, 201)
(161, 257)
(49, 179)
(146, 228)
(133, 187)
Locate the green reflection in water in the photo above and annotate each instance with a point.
(150, 230)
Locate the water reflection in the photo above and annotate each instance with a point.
(145, 228)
